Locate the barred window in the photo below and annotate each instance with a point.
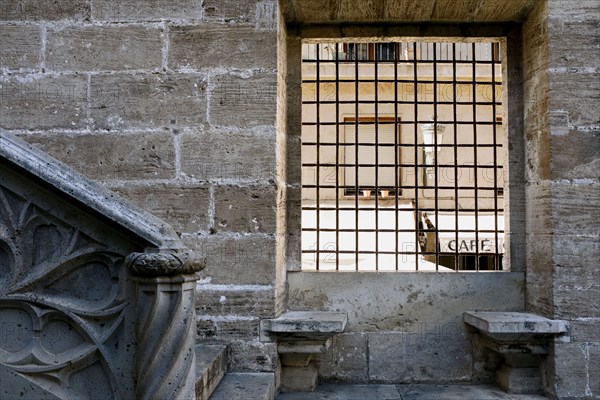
(403, 156)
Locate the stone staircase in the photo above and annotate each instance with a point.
(215, 383)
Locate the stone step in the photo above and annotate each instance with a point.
(211, 365)
(246, 386)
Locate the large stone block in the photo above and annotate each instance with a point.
(112, 156)
(128, 101)
(240, 11)
(183, 207)
(571, 45)
(594, 368)
(97, 48)
(586, 330)
(578, 94)
(575, 208)
(419, 356)
(219, 329)
(20, 47)
(43, 102)
(570, 370)
(574, 10)
(240, 301)
(252, 356)
(250, 209)
(575, 155)
(244, 101)
(147, 10)
(539, 201)
(248, 259)
(49, 10)
(238, 47)
(346, 359)
(577, 301)
(243, 155)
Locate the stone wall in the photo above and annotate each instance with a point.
(568, 155)
(404, 327)
(175, 104)
(172, 104)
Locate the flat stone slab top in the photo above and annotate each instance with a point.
(519, 323)
(308, 322)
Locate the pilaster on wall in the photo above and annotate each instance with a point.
(562, 129)
(172, 104)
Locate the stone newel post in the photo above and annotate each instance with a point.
(165, 324)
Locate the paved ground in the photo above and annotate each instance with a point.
(406, 392)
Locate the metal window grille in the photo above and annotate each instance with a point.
(403, 156)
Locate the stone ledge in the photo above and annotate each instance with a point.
(522, 339)
(307, 322)
(517, 324)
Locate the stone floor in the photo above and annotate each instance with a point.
(406, 392)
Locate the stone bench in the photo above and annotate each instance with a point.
(522, 339)
(301, 335)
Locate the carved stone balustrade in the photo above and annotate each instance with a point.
(96, 295)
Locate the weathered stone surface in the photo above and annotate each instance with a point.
(246, 155)
(571, 44)
(43, 102)
(585, 330)
(165, 336)
(127, 101)
(423, 323)
(539, 221)
(75, 236)
(581, 277)
(85, 191)
(243, 101)
(419, 300)
(259, 386)
(517, 323)
(299, 379)
(346, 359)
(230, 10)
(330, 391)
(252, 356)
(211, 365)
(165, 264)
(184, 207)
(98, 48)
(578, 94)
(49, 10)
(520, 380)
(582, 300)
(239, 47)
(20, 47)
(376, 11)
(112, 156)
(594, 367)
(248, 209)
(419, 356)
(248, 259)
(147, 10)
(571, 215)
(224, 300)
(307, 322)
(570, 370)
(575, 155)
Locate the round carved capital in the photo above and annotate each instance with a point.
(165, 263)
